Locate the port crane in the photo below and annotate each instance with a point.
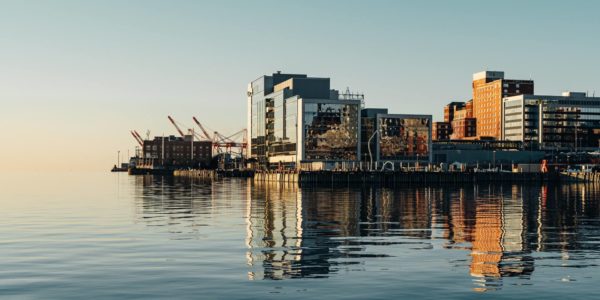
(137, 138)
(176, 126)
(204, 131)
(222, 143)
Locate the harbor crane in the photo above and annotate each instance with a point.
(190, 130)
(204, 131)
(221, 142)
(137, 138)
(176, 126)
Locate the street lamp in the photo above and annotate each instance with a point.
(369, 147)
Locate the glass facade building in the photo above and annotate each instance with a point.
(294, 118)
(331, 131)
(404, 138)
(568, 122)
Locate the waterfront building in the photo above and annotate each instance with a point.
(178, 151)
(404, 138)
(484, 153)
(441, 131)
(464, 126)
(296, 119)
(368, 121)
(458, 122)
(570, 122)
(450, 108)
(489, 88)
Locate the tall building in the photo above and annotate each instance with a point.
(567, 122)
(294, 119)
(489, 88)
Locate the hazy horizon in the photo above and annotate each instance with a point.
(77, 76)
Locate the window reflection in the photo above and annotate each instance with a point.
(331, 131)
(404, 138)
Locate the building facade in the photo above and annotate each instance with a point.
(568, 122)
(368, 126)
(464, 126)
(489, 88)
(296, 119)
(441, 131)
(178, 151)
(449, 110)
(404, 138)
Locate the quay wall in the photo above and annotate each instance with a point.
(213, 174)
(327, 177)
(277, 176)
(208, 174)
(580, 177)
(389, 177)
(423, 177)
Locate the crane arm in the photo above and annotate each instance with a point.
(176, 127)
(137, 139)
(138, 135)
(202, 128)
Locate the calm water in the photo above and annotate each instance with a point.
(116, 236)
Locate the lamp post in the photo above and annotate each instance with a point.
(118, 158)
(369, 147)
(494, 158)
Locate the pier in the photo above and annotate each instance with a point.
(392, 177)
(214, 174)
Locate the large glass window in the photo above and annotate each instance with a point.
(404, 138)
(331, 131)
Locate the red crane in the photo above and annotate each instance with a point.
(137, 139)
(204, 131)
(176, 127)
(139, 136)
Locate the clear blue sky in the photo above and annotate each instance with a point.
(76, 76)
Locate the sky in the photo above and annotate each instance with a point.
(76, 76)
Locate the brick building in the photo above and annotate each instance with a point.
(440, 131)
(464, 126)
(449, 110)
(178, 151)
(489, 88)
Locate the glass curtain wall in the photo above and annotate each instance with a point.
(404, 138)
(331, 131)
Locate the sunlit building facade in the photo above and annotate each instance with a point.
(404, 138)
(295, 119)
(489, 88)
(569, 122)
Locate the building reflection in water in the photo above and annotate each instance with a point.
(294, 232)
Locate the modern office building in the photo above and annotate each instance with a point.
(404, 138)
(568, 122)
(489, 88)
(296, 119)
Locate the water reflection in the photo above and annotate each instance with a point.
(291, 232)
